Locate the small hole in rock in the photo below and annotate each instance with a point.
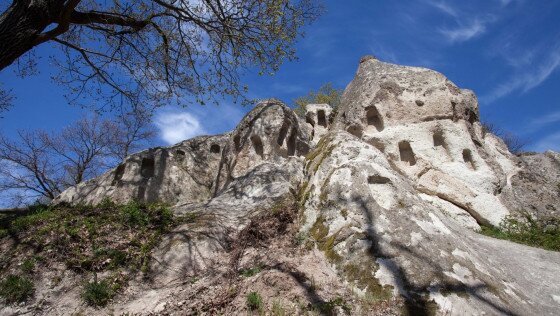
(180, 152)
(215, 148)
(119, 172)
(237, 143)
(147, 168)
(292, 143)
(406, 153)
(438, 139)
(374, 118)
(467, 158)
(257, 145)
(377, 179)
(419, 103)
(355, 130)
(321, 118)
(283, 133)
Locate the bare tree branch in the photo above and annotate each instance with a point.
(156, 51)
(40, 165)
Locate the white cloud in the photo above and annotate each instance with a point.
(465, 32)
(528, 80)
(175, 126)
(550, 142)
(443, 6)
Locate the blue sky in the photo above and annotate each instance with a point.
(507, 51)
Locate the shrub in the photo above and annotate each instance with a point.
(326, 94)
(97, 293)
(133, 215)
(544, 234)
(254, 301)
(514, 143)
(15, 289)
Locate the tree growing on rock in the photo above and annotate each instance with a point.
(149, 52)
(39, 165)
(514, 143)
(326, 94)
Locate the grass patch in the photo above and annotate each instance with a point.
(28, 265)
(16, 289)
(88, 239)
(97, 293)
(541, 234)
(278, 309)
(254, 301)
(329, 308)
(251, 271)
(94, 238)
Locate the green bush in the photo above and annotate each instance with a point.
(545, 234)
(15, 289)
(133, 215)
(254, 301)
(97, 293)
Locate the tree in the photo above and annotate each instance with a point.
(39, 165)
(514, 143)
(152, 51)
(133, 131)
(326, 94)
(5, 100)
(26, 170)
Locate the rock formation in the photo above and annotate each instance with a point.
(393, 187)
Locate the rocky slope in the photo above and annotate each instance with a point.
(391, 191)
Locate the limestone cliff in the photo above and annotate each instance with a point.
(392, 186)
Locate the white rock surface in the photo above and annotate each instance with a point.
(393, 189)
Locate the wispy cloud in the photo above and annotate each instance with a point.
(526, 81)
(443, 6)
(177, 126)
(542, 122)
(549, 142)
(465, 32)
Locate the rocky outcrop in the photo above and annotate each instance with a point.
(393, 187)
(387, 239)
(535, 189)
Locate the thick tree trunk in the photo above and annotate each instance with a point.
(21, 24)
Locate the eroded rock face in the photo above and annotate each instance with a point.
(430, 131)
(271, 133)
(535, 189)
(319, 118)
(183, 172)
(392, 191)
(387, 239)
(198, 169)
